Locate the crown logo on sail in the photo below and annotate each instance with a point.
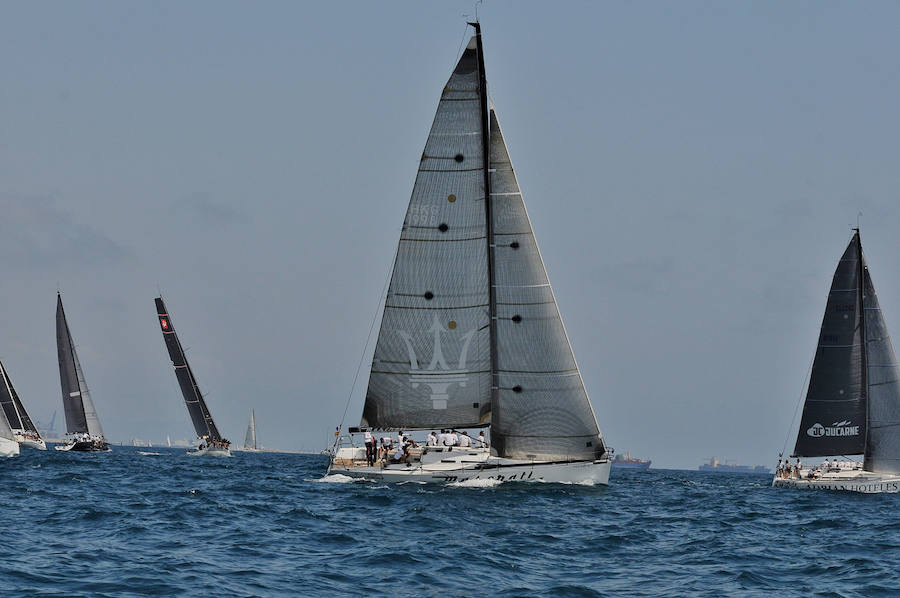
(438, 375)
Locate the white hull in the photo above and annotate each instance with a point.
(210, 451)
(460, 465)
(35, 443)
(8, 448)
(857, 480)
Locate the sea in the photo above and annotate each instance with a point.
(155, 522)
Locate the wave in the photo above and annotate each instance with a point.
(476, 483)
(148, 453)
(335, 478)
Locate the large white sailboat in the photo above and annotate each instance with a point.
(852, 405)
(471, 335)
(23, 429)
(210, 442)
(83, 431)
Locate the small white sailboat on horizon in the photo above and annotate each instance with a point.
(852, 405)
(211, 443)
(471, 335)
(23, 429)
(83, 431)
(250, 438)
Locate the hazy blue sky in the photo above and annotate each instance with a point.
(692, 170)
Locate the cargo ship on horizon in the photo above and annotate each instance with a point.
(716, 466)
(629, 462)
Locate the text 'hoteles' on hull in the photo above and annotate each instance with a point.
(471, 335)
(211, 443)
(83, 430)
(852, 404)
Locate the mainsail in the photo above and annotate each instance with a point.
(81, 417)
(16, 415)
(853, 402)
(471, 333)
(200, 416)
(250, 438)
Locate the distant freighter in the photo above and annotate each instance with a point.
(629, 462)
(716, 467)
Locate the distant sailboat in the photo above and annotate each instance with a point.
(8, 445)
(250, 438)
(471, 335)
(83, 431)
(211, 442)
(23, 429)
(168, 441)
(852, 403)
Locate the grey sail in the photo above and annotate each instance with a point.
(834, 414)
(5, 430)
(432, 361)
(81, 416)
(193, 399)
(883, 445)
(541, 409)
(16, 415)
(250, 438)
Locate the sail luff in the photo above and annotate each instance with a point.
(201, 418)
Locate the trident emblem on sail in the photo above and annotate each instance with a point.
(438, 375)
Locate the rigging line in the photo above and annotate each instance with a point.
(365, 349)
(797, 407)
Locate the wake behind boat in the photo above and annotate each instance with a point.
(83, 431)
(853, 400)
(211, 442)
(23, 429)
(471, 335)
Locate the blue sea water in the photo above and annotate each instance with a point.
(132, 524)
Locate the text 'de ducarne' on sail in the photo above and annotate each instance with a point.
(834, 414)
(542, 410)
(81, 416)
(431, 367)
(193, 399)
(883, 379)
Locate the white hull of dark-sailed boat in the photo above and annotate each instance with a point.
(210, 451)
(8, 448)
(84, 446)
(35, 443)
(461, 465)
(865, 482)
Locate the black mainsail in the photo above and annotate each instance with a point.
(852, 404)
(81, 417)
(196, 406)
(471, 334)
(13, 408)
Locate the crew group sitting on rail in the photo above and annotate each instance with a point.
(788, 471)
(383, 449)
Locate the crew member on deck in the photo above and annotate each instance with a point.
(482, 440)
(464, 440)
(432, 439)
(370, 448)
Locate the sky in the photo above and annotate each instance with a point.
(692, 171)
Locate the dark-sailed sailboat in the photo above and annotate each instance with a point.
(471, 335)
(83, 431)
(211, 442)
(23, 429)
(852, 403)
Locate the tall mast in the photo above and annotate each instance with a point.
(865, 341)
(489, 220)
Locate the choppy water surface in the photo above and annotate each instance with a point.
(132, 524)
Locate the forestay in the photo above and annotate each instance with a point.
(431, 367)
(543, 410)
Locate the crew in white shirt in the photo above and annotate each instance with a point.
(464, 440)
(432, 439)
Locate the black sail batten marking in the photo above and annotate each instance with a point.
(202, 419)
